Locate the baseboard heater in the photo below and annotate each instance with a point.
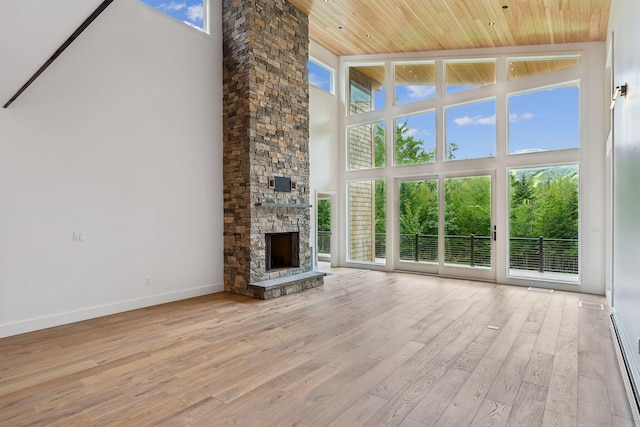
(630, 365)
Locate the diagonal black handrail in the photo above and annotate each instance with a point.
(61, 49)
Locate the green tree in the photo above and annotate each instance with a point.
(324, 215)
(409, 150)
(522, 205)
(557, 211)
(468, 206)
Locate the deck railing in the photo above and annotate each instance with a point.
(539, 254)
(324, 243)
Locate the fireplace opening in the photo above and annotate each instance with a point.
(281, 251)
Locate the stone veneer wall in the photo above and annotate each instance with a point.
(266, 134)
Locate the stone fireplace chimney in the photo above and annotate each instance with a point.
(266, 149)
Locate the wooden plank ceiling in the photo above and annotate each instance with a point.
(352, 27)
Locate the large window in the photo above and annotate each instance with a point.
(466, 75)
(526, 67)
(544, 222)
(415, 82)
(191, 12)
(415, 139)
(471, 131)
(544, 119)
(366, 88)
(483, 154)
(366, 146)
(367, 221)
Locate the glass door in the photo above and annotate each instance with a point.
(467, 227)
(418, 225)
(446, 226)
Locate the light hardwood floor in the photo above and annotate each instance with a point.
(369, 348)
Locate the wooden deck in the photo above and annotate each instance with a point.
(369, 348)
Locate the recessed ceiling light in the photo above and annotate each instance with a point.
(491, 24)
(504, 6)
(339, 27)
(368, 36)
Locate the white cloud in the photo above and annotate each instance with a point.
(421, 92)
(316, 80)
(515, 117)
(194, 13)
(191, 24)
(416, 132)
(529, 150)
(475, 120)
(174, 6)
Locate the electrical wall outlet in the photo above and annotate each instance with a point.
(148, 281)
(78, 237)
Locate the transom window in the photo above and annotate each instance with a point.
(320, 75)
(190, 12)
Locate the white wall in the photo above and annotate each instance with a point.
(323, 137)
(626, 143)
(323, 129)
(120, 139)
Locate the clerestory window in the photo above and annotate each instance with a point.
(190, 12)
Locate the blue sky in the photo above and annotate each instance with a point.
(187, 11)
(319, 77)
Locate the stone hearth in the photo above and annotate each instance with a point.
(266, 141)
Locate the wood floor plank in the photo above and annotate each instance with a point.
(505, 387)
(399, 407)
(563, 386)
(463, 409)
(548, 334)
(529, 406)
(368, 348)
(436, 401)
(593, 402)
(556, 419)
(539, 369)
(360, 412)
(491, 413)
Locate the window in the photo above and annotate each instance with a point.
(191, 12)
(366, 146)
(415, 82)
(453, 134)
(544, 120)
(415, 139)
(367, 221)
(471, 131)
(366, 88)
(320, 76)
(543, 222)
(525, 67)
(466, 75)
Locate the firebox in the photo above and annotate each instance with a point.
(281, 251)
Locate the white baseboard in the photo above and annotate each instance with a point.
(30, 325)
(630, 363)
